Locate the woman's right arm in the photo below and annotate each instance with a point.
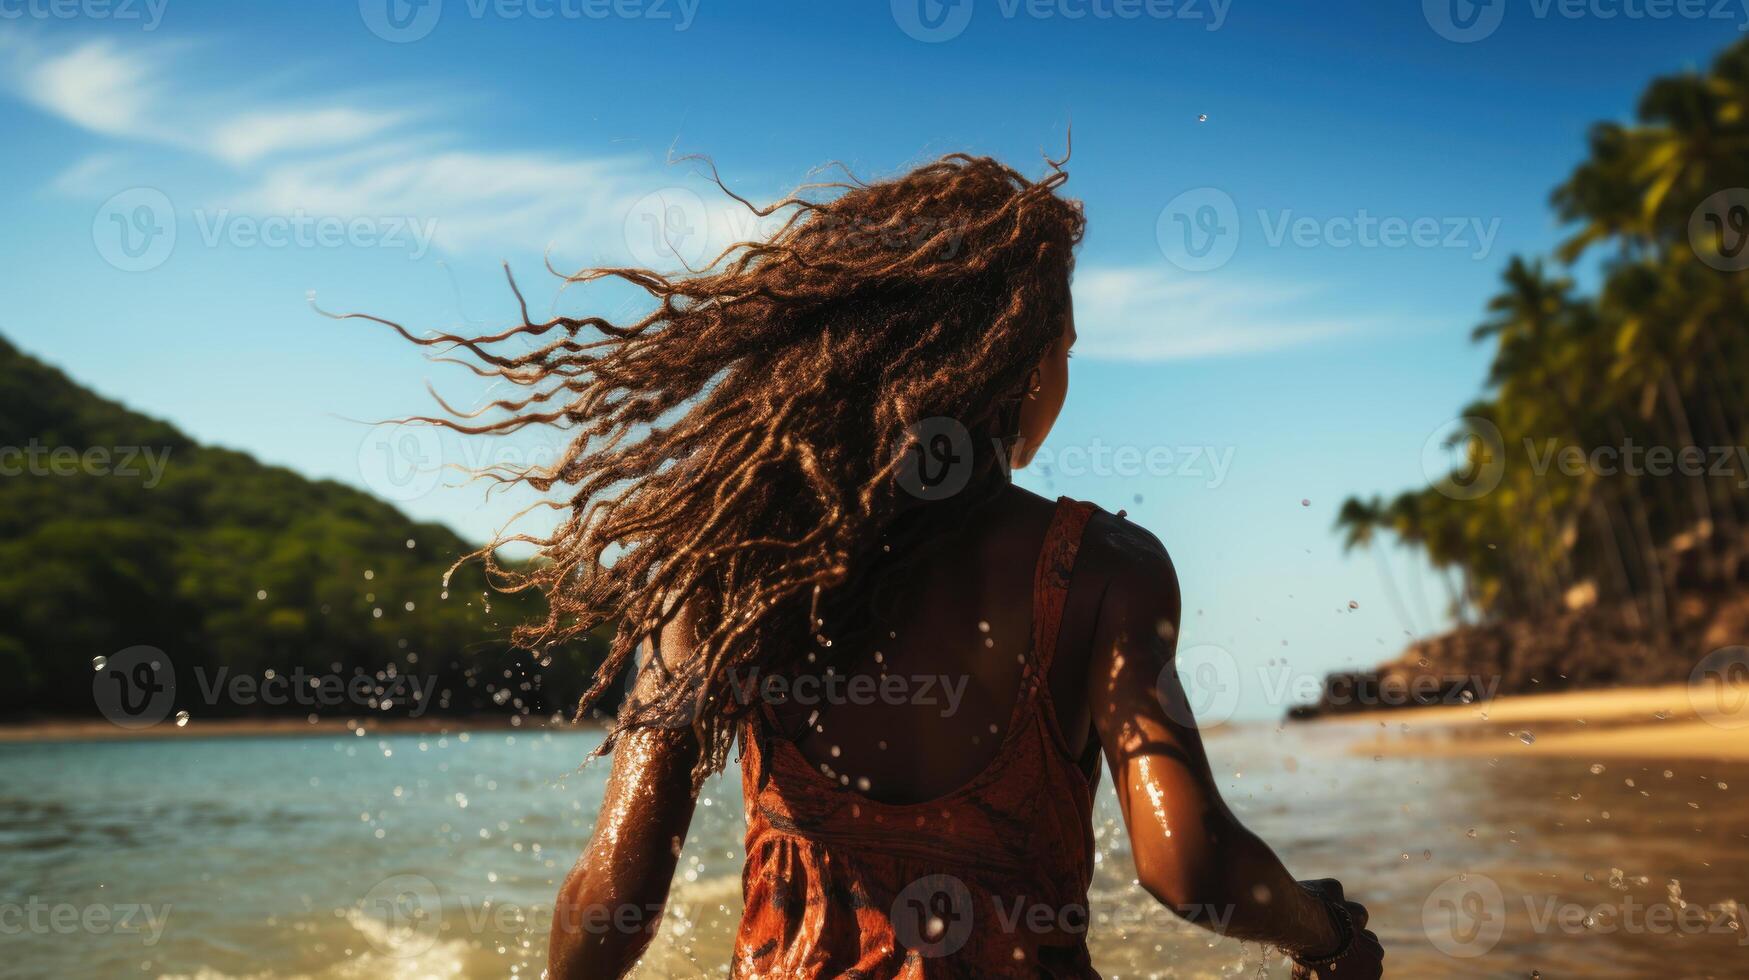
(1191, 852)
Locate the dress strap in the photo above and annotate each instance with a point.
(1050, 583)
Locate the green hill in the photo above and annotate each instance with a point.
(118, 530)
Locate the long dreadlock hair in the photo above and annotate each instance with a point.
(738, 450)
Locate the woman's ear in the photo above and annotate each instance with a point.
(1046, 389)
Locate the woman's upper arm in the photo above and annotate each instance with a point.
(1168, 796)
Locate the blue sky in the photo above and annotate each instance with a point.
(388, 159)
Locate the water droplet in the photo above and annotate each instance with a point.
(1353, 605)
(181, 719)
(1526, 737)
(1305, 502)
(1202, 117)
(98, 663)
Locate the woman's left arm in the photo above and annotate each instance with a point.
(611, 903)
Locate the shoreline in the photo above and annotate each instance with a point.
(99, 730)
(1662, 722)
(1674, 721)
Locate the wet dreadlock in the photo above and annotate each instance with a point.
(736, 450)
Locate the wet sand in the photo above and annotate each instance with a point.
(1675, 722)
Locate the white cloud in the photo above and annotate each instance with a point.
(133, 94)
(257, 134)
(1148, 313)
(95, 86)
(95, 175)
(326, 158)
(330, 159)
(475, 199)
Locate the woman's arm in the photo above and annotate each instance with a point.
(611, 903)
(1191, 852)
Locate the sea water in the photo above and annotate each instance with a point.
(438, 856)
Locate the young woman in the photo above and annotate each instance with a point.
(789, 485)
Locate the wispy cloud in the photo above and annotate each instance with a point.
(333, 157)
(257, 134)
(96, 86)
(1151, 313)
(94, 175)
(477, 199)
(328, 156)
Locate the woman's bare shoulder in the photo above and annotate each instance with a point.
(1130, 565)
(1117, 556)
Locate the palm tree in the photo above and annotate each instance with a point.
(1659, 356)
(1361, 521)
(1405, 518)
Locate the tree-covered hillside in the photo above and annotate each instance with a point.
(118, 530)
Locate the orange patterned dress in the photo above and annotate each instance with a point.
(989, 880)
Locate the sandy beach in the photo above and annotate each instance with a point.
(1670, 722)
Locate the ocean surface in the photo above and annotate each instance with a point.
(438, 856)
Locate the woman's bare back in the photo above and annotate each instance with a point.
(923, 711)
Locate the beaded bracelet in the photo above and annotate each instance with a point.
(1344, 922)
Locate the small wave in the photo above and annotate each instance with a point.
(393, 954)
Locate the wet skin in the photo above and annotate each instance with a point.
(969, 622)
